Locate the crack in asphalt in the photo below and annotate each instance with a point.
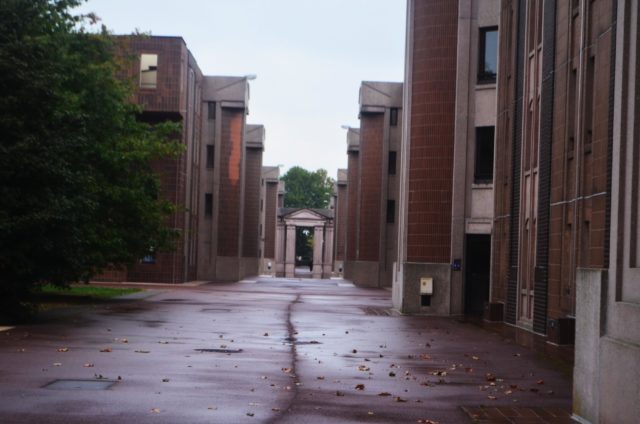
(294, 360)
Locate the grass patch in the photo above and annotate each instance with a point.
(86, 291)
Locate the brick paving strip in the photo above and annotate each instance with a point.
(519, 415)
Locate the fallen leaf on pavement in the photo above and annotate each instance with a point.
(266, 334)
(363, 368)
(339, 393)
(392, 374)
(57, 364)
(88, 365)
(370, 413)
(492, 397)
(156, 410)
(165, 380)
(399, 399)
(286, 370)
(384, 394)
(275, 409)
(106, 349)
(142, 351)
(63, 349)
(250, 414)
(359, 386)
(540, 382)
(426, 422)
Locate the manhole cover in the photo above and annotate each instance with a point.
(218, 350)
(80, 384)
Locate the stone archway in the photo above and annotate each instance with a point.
(289, 219)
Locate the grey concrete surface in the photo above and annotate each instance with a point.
(306, 345)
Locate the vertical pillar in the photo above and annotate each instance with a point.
(290, 262)
(318, 242)
(327, 263)
(279, 259)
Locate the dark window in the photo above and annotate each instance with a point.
(208, 204)
(393, 117)
(211, 110)
(484, 155)
(488, 55)
(391, 211)
(392, 163)
(210, 156)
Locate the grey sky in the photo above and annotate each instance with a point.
(309, 55)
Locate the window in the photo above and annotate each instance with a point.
(391, 211)
(484, 155)
(488, 55)
(149, 258)
(393, 117)
(211, 110)
(392, 163)
(148, 70)
(210, 156)
(208, 204)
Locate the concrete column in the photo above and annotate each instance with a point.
(327, 263)
(279, 265)
(290, 262)
(318, 242)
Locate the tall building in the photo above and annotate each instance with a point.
(167, 81)
(446, 170)
(271, 190)
(374, 235)
(566, 193)
(340, 223)
(229, 183)
(215, 181)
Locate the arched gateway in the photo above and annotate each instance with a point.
(321, 221)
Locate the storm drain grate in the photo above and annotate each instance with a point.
(80, 384)
(218, 350)
(377, 311)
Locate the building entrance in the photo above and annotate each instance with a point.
(304, 241)
(478, 267)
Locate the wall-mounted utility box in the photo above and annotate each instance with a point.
(426, 285)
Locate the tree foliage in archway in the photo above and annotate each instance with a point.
(307, 189)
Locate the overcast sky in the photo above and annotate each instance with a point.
(309, 55)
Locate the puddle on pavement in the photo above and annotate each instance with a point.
(218, 350)
(297, 342)
(80, 384)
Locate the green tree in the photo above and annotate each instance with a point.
(306, 189)
(77, 192)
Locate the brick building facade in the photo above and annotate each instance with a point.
(220, 165)
(374, 237)
(340, 209)
(271, 199)
(446, 173)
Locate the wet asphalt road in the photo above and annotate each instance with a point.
(311, 352)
